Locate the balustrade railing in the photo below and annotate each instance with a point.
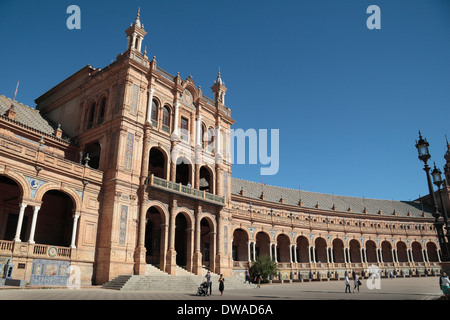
(185, 190)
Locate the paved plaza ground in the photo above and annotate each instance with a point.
(425, 288)
(394, 298)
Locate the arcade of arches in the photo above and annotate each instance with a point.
(331, 256)
(52, 222)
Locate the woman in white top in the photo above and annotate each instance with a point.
(445, 285)
(356, 282)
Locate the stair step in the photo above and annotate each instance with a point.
(157, 280)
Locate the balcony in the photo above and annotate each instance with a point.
(42, 251)
(178, 188)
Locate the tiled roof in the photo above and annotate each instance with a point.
(27, 116)
(327, 201)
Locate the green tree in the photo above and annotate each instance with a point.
(265, 267)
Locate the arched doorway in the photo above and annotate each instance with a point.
(283, 247)
(157, 163)
(432, 252)
(183, 172)
(206, 180)
(262, 245)
(207, 243)
(154, 236)
(402, 254)
(55, 221)
(321, 250)
(386, 251)
(91, 155)
(338, 251)
(240, 245)
(416, 249)
(182, 239)
(10, 197)
(371, 252)
(302, 249)
(355, 251)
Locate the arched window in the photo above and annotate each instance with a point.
(101, 115)
(166, 119)
(184, 128)
(210, 139)
(154, 114)
(91, 116)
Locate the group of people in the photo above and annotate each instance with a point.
(444, 283)
(356, 282)
(208, 281)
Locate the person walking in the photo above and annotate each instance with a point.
(444, 283)
(347, 284)
(247, 277)
(357, 283)
(221, 284)
(258, 280)
(208, 282)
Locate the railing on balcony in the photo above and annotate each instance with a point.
(51, 251)
(35, 250)
(6, 246)
(185, 190)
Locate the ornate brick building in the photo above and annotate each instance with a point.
(128, 165)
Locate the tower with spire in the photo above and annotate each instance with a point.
(447, 162)
(135, 34)
(219, 89)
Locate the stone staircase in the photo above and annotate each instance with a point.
(184, 281)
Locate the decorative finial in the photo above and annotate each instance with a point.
(137, 21)
(219, 78)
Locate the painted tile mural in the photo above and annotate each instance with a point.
(49, 272)
(123, 224)
(129, 151)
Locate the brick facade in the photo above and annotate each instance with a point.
(139, 171)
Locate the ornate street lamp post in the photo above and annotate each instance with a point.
(424, 155)
(438, 181)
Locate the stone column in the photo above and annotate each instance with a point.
(74, 230)
(212, 250)
(171, 253)
(295, 253)
(426, 255)
(254, 250)
(133, 41)
(140, 252)
(219, 140)
(175, 131)
(222, 264)
(20, 221)
(275, 252)
(248, 251)
(197, 263)
(190, 248)
(198, 140)
(270, 251)
(163, 246)
(33, 224)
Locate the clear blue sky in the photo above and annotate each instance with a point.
(348, 101)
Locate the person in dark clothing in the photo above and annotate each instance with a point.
(221, 284)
